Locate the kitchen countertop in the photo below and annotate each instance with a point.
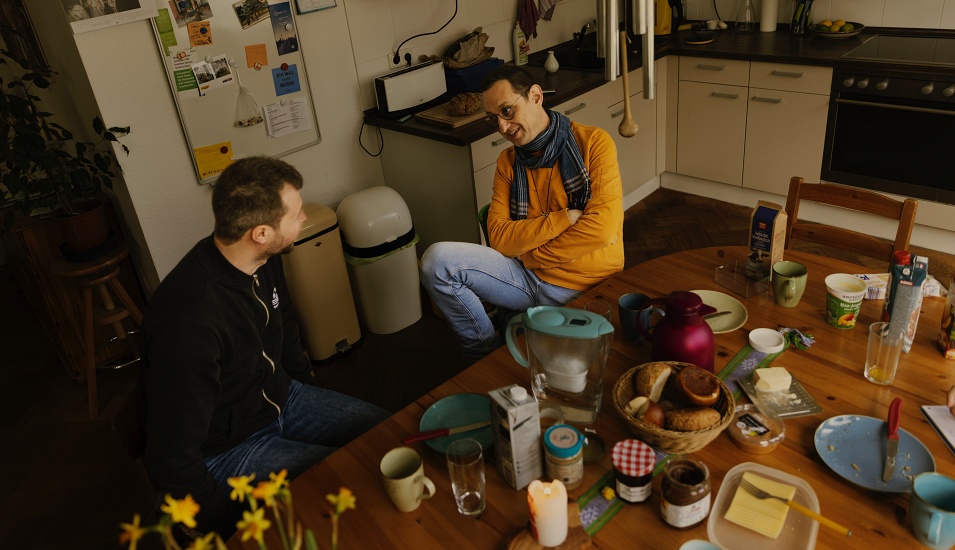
(779, 46)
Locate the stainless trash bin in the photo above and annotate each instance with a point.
(379, 242)
(318, 284)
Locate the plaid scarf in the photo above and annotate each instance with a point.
(560, 146)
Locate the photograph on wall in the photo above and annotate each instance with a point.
(189, 11)
(212, 75)
(18, 37)
(251, 12)
(283, 27)
(91, 15)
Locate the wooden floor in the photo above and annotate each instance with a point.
(69, 482)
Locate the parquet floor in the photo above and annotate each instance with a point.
(68, 482)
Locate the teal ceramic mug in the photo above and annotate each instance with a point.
(932, 508)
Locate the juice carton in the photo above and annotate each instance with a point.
(766, 239)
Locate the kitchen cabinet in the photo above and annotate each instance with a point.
(785, 125)
(751, 124)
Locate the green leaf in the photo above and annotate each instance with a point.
(98, 125)
(310, 542)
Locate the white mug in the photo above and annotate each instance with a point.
(402, 472)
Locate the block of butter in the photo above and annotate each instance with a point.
(772, 379)
(766, 517)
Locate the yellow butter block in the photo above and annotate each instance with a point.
(765, 516)
(772, 379)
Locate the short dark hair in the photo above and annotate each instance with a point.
(248, 194)
(520, 80)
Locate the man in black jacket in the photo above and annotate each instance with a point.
(223, 362)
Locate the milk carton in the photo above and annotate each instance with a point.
(515, 420)
(766, 239)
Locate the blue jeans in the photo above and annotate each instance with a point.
(459, 276)
(314, 423)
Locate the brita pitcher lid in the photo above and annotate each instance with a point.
(566, 322)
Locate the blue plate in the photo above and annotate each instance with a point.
(458, 410)
(854, 447)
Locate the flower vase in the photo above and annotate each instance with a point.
(551, 65)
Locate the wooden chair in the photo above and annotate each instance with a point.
(851, 198)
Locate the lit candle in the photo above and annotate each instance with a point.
(548, 506)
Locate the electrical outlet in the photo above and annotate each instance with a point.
(402, 62)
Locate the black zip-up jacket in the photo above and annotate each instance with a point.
(218, 348)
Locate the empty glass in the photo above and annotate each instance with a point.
(466, 469)
(882, 356)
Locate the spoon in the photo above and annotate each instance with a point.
(628, 126)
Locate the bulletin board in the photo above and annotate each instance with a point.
(238, 78)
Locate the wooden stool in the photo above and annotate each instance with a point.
(101, 274)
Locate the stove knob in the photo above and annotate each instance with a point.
(950, 91)
(849, 81)
(928, 88)
(882, 85)
(864, 83)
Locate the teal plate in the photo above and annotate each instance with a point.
(458, 410)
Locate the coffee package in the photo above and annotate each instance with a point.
(767, 238)
(946, 334)
(515, 419)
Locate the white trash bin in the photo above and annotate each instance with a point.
(379, 243)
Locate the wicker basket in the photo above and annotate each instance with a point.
(670, 441)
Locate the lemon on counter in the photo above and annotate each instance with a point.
(839, 22)
(825, 23)
(848, 27)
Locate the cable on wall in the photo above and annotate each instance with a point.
(397, 58)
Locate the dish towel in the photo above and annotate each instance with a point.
(527, 16)
(546, 8)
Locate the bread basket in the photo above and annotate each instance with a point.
(670, 441)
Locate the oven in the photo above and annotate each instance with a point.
(894, 130)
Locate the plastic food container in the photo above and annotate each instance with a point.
(755, 431)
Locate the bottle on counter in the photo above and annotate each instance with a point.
(745, 17)
(768, 15)
(520, 46)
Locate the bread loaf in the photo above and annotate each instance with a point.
(651, 379)
(691, 419)
(464, 104)
(696, 386)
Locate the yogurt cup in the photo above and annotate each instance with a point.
(844, 294)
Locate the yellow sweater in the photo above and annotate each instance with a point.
(577, 256)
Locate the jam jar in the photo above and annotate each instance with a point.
(685, 492)
(633, 463)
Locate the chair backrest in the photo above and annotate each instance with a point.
(854, 199)
(482, 219)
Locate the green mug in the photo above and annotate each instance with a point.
(788, 281)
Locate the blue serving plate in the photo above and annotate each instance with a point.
(458, 410)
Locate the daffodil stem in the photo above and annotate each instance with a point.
(334, 531)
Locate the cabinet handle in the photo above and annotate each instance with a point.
(573, 110)
(724, 94)
(789, 74)
(497, 142)
(618, 113)
(703, 67)
(767, 99)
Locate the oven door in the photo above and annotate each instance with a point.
(892, 145)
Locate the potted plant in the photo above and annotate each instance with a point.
(42, 164)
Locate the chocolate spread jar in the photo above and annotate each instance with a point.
(685, 492)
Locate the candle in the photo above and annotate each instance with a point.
(548, 507)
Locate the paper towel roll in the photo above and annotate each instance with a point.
(769, 13)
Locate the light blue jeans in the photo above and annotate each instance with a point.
(314, 423)
(458, 276)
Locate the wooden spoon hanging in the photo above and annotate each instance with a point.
(628, 126)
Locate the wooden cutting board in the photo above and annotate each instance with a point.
(439, 115)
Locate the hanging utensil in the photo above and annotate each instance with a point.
(628, 126)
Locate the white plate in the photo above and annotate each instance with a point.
(798, 532)
(723, 302)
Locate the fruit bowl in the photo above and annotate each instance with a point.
(856, 29)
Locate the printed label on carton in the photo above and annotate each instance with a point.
(515, 419)
(767, 233)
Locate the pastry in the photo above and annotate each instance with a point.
(650, 380)
(696, 386)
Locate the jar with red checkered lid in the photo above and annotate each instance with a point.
(633, 463)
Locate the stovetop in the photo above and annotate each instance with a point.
(906, 49)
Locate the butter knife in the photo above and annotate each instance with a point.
(892, 439)
(441, 432)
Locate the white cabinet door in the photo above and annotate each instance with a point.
(785, 133)
(711, 131)
(636, 155)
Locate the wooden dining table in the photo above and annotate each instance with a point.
(831, 371)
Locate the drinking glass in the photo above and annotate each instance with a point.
(601, 308)
(466, 469)
(882, 356)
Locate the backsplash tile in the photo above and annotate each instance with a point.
(902, 13)
(867, 12)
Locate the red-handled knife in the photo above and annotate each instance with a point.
(443, 432)
(892, 440)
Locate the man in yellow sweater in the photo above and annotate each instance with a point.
(555, 222)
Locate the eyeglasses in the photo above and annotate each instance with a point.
(507, 113)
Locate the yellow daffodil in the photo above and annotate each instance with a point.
(205, 543)
(241, 486)
(344, 500)
(280, 479)
(253, 525)
(268, 490)
(132, 532)
(181, 511)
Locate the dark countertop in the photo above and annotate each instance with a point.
(779, 46)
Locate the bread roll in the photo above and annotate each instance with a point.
(464, 104)
(691, 419)
(696, 386)
(654, 415)
(650, 380)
